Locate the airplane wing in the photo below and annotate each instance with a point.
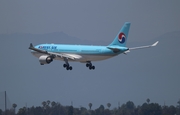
(141, 47)
(54, 55)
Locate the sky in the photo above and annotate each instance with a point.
(126, 77)
(92, 20)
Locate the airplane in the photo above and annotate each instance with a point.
(84, 53)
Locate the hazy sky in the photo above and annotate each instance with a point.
(133, 77)
(92, 19)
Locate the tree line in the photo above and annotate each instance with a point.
(128, 108)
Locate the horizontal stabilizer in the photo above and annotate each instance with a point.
(117, 48)
(141, 47)
(155, 44)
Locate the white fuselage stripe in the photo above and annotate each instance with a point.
(84, 57)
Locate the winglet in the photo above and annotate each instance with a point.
(31, 46)
(155, 43)
(36, 49)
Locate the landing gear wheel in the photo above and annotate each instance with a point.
(93, 67)
(87, 65)
(90, 67)
(64, 65)
(70, 68)
(67, 68)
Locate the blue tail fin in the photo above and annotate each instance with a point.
(122, 36)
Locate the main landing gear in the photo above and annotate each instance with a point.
(66, 65)
(89, 65)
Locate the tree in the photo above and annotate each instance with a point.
(178, 107)
(70, 110)
(108, 105)
(53, 104)
(14, 106)
(101, 107)
(44, 104)
(21, 111)
(179, 103)
(100, 110)
(123, 109)
(90, 105)
(130, 105)
(129, 108)
(172, 110)
(48, 102)
(107, 112)
(151, 109)
(1, 112)
(148, 100)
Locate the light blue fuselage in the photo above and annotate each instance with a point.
(84, 52)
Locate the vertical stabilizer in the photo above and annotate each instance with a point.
(122, 36)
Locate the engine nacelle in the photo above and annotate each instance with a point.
(44, 59)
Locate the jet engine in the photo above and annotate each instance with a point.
(44, 59)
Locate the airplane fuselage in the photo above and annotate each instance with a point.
(84, 53)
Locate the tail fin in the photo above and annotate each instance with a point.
(122, 36)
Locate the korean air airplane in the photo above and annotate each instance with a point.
(84, 53)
